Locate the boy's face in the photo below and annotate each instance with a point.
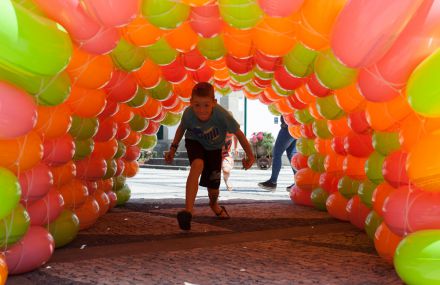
(203, 106)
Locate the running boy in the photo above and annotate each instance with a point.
(205, 125)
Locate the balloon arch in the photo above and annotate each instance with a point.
(86, 84)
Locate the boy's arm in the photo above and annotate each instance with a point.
(249, 159)
(169, 156)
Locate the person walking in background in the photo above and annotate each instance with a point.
(283, 143)
(205, 124)
(228, 154)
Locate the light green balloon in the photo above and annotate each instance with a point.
(225, 91)
(83, 148)
(65, 228)
(316, 162)
(332, 73)
(348, 187)
(123, 195)
(305, 146)
(127, 56)
(138, 123)
(373, 167)
(319, 197)
(386, 142)
(31, 44)
(273, 110)
(279, 90)
(372, 222)
(212, 48)
(10, 192)
(252, 88)
(121, 150)
(417, 258)
(83, 128)
(14, 226)
(119, 182)
(148, 142)
(161, 53)
(161, 91)
(328, 108)
(112, 168)
(262, 74)
(365, 192)
(303, 116)
(320, 129)
(140, 99)
(299, 61)
(242, 78)
(171, 119)
(423, 87)
(241, 14)
(165, 14)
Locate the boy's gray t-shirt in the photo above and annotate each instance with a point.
(212, 133)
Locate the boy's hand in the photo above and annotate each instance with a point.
(248, 161)
(169, 155)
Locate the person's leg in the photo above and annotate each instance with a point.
(192, 182)
(211, 178)
(290, 151)
(227, 166)
(284, 139)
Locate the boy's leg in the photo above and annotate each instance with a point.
(213, 203)
(192, 184)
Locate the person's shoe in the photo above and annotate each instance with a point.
(184, 220)
(267, 185)
(288, 188)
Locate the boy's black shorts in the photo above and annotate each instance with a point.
(212, 161)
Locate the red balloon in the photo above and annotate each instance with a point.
(359, 145)
(106, 131)
(329, 182)
(286, 80)
(175, 71)
(265, 62)
(301, 196)
(193, 60)
(338, 145)
(239, 65)
(299, 161)
(316, 88)
(122, 87)
(394, 169)
(58, 151)
(307, 131)
(357, 212)
(357, 121)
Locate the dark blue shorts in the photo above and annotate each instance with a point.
(212, 161)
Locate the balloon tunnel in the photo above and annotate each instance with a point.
(86, 84)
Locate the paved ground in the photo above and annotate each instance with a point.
(268, 240)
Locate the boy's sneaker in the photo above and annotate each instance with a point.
(267, 185)
(288, 188)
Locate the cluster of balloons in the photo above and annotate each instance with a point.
(86, 84)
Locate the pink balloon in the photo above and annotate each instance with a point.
(394, 169)
(365, 30)
(122, 87)
(114, 13)
(357, 212)
(206, 20)
(35, 182)
(46, 210)
(280, 8)
(104, 41)
(58, 151)
(34, 250)
(385, 80)
(409, 209)
(18, 112)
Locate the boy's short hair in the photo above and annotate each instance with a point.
(203, 89)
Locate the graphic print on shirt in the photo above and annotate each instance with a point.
(211, 134)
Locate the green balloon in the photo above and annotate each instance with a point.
(316, 162)
(348, 187)
(171, 119)
(262, 74)
(320, 129)
(319, 197)
(165, 14)
(241, 14)
(328, 108)
(373, 167)
(273, 110)
(299, 61)
(423, 89)
(161, 52)
(65, 228)
(372, 222)
(121, 150)
(417, 258)
(365, 192)
(14, 226)
(162, 91)
(31, 44)
(10, 192)
(225, 91)
(279, 90)
(252, 88)
(148, 142)
(119, 182)
(332, 73)
(303, 116)
(305, 146)
(140, 99)
(386, 142)
(83, 148)
(138, 123)
(112, 168)
(242, 78)
(83, 128)
(47, 90)
(127, 56)
(123, 195)
(212, 48)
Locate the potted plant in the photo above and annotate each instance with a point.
(262, 142)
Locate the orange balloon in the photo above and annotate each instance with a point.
(414, 128)
(380, 194)
(142, 33)
(275, 36)
(221, 74)
(238, 42)
(271, 95)
(250, 95)
(89, 70)
(323, 146)
(316, 19)
(53, 121)
(349, 99)
(295, 131)
(355, 167)
(338, 127)
(313, 110)
(105, 184)
(334, 163)
(197, 3)
(86, 102)
(74, 193)
(149, 75)
(124, 114)
(131, 168)
(217, 64)
(150, 109)
(106, 150)
(22, 153)
(184, 89)
(304, 95)
(63, 174)
(307, 179)
(385, 115)
(180, 106)
(337, 206)
(386, 242)
(183, 38)
(133, 138)
(283, 106)
(88, 213)
(103, 201)
(3, 269)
